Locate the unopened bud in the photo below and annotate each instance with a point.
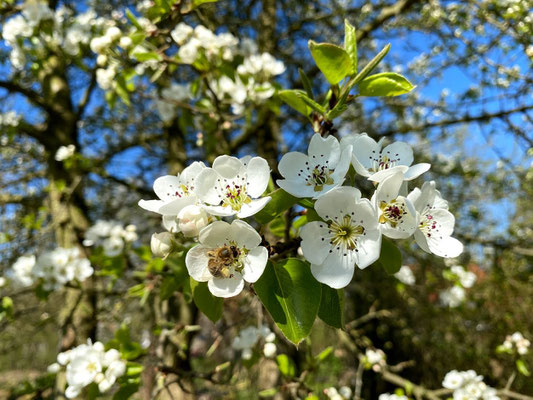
(125, 42)
(101, 60)
(192, 219)
(161, 244)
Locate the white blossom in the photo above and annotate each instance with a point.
(161, 244)
(349, 236)
(313, 175)
(518, 341)
(111, 236)
(191, 219)
(371, 160)
(228, 255)
(435, 222)
(466, 278)
(405, 275)
(389, 396)
(468, 385)
(453, 297)
(21, 272)
(181, 33)
(269, 349)
(232, 187)
(65, 152)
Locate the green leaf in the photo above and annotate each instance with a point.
(142, 56)
(133, 20)
(331, 309)
(311, 103)
(268, 393)
(168, 287)
(385, 84)
(210, 305)
(522, 368)
(198, 3)
(306, 82)
(350, 44)
(332, 60)
(280, 202)
(293, 100)
(286, 365)
(370, 66)
(324, 354)
(126, 391)
(291, 295)
(390, 257)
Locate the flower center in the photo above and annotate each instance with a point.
(384, 162)
(235, 196)
(226, 259)
(392, 212)
(92, 367)
(344, 233)
(428, 225)
(181, 191)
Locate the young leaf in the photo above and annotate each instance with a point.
(306, 82)
(293, 100)
(370, 66)
(522, 368)
(385, 84)
(198, 3)
(311, 103)
(390, 257)
(291, 295)
(332, 60)
(210, 305)
(133, 20)
(350, 44)
(286, 365)
(331, 309)
(281, 201)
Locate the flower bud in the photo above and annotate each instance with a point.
(192, 219)
(113, 33)
(101, 60)
(125, 42)
(161, 244)
(269, 349)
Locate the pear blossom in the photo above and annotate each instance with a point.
(181, 33)
(435, 222)
(518, 341)
(349, 236)
(393, 396)
(397, 215)
(191, 219)
(466, 278)
(175, 193)
(111, 236)
(228, 255)
(161, 244)
(21, 272)
(313, 175)
(468, 385)
(65, 152)
(405, 275)
(232, 187)
(248, 338)
(374, 357)
(371, 160)
(453, 297)
(263, 65)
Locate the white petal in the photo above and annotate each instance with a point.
(258, 175)
(416, 170)
(253, 207)
(189, 174)
(447, 247)
(297, 188)
(215, 234)
(414, 196)
(196, 261)
(244, 235)
(255, 264)
(170, 223)
(165, 187)
(399, 152)
(445, 222)
(336, 271)
(151, 205)
(228, 167)
(389, 188)
(226, 287)
(325, 151)
(385, 173)
(315, 245)
(359, 168)
(205, 186)
(293, 163)
(368, 248)
(220, 211)
(421, 240)
(366, 215)
(72, 392)
(343, 165)
(175, 206)
(366, 150)
(337, 202)
(426, 196)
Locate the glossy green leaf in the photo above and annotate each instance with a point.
(286, 365)
(294, 101)
(133, 19)
(291, 295)
(280, 202)
(390, 257)
(210, 305)
(350, 44)
(522, 368)
(331, 309)
(198, 3)
(332, 60)
(306, 82)
(311, 103)
(385, 84)
(370, 66)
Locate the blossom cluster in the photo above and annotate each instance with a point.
(405, 275)
(344, 393)
(352, 226)
(68, 34)
(393, 396)
(247, 338)
(191, 203)
(53, 269)
(65, 152)
(88, 363)
(374, 359)
(516, 342)
(468, 385)
(9, 118)
(111, 235)
(462, 279)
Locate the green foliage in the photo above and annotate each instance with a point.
(129, 349)
(385, 84)
(210, 305)
(332, 60)
(294, 99)
(390, 257)
(6, 308)
(280, 202)
(331, 309)
(350, 44)
(286, 366)
(291, 295)
(522, 367)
